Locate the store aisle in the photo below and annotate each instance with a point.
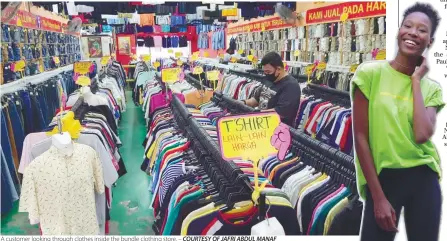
(130, 208)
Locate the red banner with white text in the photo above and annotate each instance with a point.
(354, 10)
(262, 25)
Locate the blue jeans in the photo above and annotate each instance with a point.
(27, 113)
(16, 122)
(6, 148)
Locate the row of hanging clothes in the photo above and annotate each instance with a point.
(196, 192)
(88, 123)
(318, 181)
(26, 109)
(325, 114)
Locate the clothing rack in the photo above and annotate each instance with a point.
(257, 77)
(195, 82)
(239, 186)
(233, 105)
(327, 93)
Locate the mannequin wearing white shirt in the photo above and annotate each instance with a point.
(63, 143)
(92, 99)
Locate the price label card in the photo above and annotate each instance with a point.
(198, 70)
(353, 68)
(321, 65)
(240, 51)
(233, 60)
(170, 75)
(247, 136)
(381, 55)
(146, 57)
(105, 60)
(309, 69)
(212, 75)
(56, 60)
(19, 66)
(156, 64)
(82, 67)
(83, 81)
(250, 57)
(296, 53)
(194, 57)
(178, 54)
(170, 51)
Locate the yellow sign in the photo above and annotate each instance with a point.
(321, 65)
(82, 67)
(250, 57)
(83, 81)
(247, 136)
(296, 53)
(56, 60)
(156, 64)
(309, 69)
(254, 60)
(105, 60)
(221, 55)
(179, 62)
(353, 68)
(70, 125)
(206, 54)
(212, 75)
(381, 55)
(170, 51)
(197, 70)
(194, 57)
(125, 15)
(285, 64)
(240, 51)
(170, 75)
(196, 53)
(252, 51)
(233, 60)
(178, 54)
(146, 57)
(344, 17)
(19, 66)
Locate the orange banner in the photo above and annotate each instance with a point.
(354, 10)
(28, 20)
(262, 25)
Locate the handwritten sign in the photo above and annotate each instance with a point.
(212, 75)
(197, 70)
(82, 67)
(321, 65)
(296, 53)
(240, 51)
(146, 57)
(250, 57)
(178, 54)
(353, 68)
(105, 60)
(309, 69)
(170, 51)
(156, 64)
(19, 66)
(83, 81)
(381, 55)
(170, 75)
(247, 136)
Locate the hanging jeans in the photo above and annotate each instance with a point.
(6, 148)
(417, 190)
(17, 128)
(28, 119)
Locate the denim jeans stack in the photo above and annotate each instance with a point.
(23, 112)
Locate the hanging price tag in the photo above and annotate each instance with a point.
(353, 68)
(212, 75)
(170, 51)
(105, 60)
(240, 51)
(198, 70)
(83, 81)
(250, 57)
(344, 17)
(19, 66)
(170, 75)
(309, 69)
(296, 53)
(82, 67)
(56, 60)
(156, 64)
(381, 55)
(194, 57)
(146, 57)
(178, 54)
(321, 66)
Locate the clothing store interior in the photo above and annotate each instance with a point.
(110, 111)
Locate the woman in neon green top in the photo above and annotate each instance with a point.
(394, 110)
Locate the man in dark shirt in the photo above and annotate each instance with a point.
(284, 94)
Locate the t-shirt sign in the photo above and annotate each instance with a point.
(82, 67)
(247, 136)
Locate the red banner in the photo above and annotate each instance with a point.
(354, 10)
(262, 25)
(51, 25)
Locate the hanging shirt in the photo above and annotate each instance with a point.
(58, 190)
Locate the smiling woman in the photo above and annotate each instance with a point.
(394, 109)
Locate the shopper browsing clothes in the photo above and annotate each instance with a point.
(284, 94)
(395, 108)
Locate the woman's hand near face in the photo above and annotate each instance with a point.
(420, 71)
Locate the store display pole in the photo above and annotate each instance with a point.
(262, 210)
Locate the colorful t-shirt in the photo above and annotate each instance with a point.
(390, 110)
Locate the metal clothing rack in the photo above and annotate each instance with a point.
(230, 104)
(239, 187)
